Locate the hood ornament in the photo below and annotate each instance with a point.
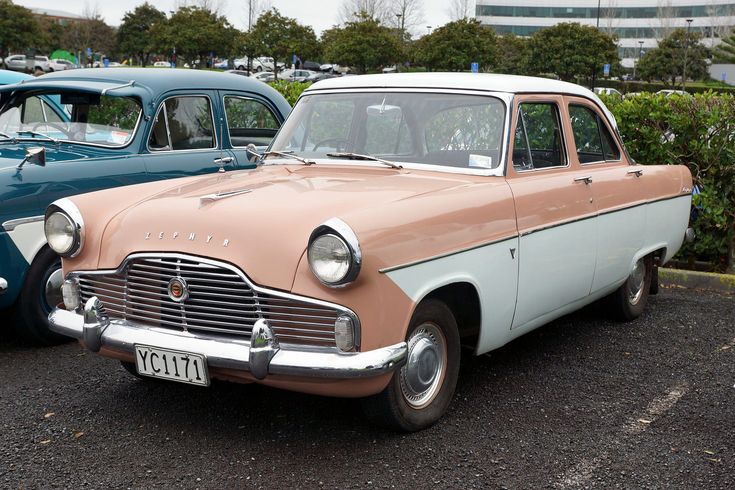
(221, 195)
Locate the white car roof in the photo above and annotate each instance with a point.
(470, 81)
(490, 82)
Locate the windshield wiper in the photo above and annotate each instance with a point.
(357, 156)
(288, 154)
(34, 133)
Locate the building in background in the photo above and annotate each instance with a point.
(58, 16)
(639, 24)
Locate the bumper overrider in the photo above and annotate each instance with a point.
(262, 355)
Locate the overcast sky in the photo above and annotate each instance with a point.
(320, 14)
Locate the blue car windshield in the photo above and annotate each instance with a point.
(103, 120)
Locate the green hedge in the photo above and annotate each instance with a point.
(698, 132)
(692, 88)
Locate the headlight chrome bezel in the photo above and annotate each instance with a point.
(343, 232)
(67, 208)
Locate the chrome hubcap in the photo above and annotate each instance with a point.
(635, 282)
(422, 375)
(53, 288)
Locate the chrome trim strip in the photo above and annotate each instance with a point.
(240, 274)
(12, 224)
(385, 270)
(322, 362)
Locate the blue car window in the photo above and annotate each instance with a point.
(249, 121)
(183, 123)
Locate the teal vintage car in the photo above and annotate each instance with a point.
(71, 132)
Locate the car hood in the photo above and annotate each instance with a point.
(11, 154)
(260, 220)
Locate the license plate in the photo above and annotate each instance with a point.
(184, 367)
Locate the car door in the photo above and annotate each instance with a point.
(249, 119)
(555, 211)
(186, 137)
(619, 191)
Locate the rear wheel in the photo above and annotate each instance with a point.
(629, 301)
(421, 390)
(41, 292)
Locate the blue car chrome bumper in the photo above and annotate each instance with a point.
(262, 356)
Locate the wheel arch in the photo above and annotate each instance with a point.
(463, 299)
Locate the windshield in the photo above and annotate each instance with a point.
(449, 130)
(103, 120)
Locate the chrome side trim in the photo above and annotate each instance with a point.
(318, 362)
(12, 224)
(385, 270)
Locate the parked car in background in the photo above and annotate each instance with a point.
(18, 62)
(670, 92)
(242, 64)
(8, 77)
(294, 75)
(264, 76)
(84, 130)
(317, 76)
(398, 217)
(162, 64)
(608, 91)
(311, 65)
(61, 65)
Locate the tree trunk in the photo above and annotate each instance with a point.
(731, 254)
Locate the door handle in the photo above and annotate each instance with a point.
(221, 162)
(586, 179)
(636, 171)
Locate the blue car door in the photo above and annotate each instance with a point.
(186, 137)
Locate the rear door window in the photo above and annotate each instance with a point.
(592, 140)
(183, 123)
(249, 121)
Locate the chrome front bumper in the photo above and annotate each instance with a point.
(261, 357)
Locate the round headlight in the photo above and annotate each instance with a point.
(330, 258)
(60, 233)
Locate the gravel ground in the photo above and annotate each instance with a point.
(583, 402)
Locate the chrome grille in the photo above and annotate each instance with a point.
(220, 301)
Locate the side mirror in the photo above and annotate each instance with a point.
(35, 155)
(253, 154)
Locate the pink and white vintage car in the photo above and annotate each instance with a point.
(394, 218)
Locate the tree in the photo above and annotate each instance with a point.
(364, 44)
(572, 51)
(460, 9)
(135, 36)
(666, 62)
(725, 52)
(456, 45)
(93, 33)
(407, 15)
(195, 33)
(281, 37)
(355, 10)
(254, 8)
(18, 28)
(512, 55)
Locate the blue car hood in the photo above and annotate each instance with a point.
(11, 154)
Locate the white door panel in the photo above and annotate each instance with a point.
(621, 236)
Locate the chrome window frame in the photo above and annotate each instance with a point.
(599, 119)
(244, 97)
(162, 105)
(562, 136)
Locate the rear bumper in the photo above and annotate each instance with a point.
(262, 356)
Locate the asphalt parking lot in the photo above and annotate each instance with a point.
(583, 402)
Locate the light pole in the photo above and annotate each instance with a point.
(640, 52)
(428, 28)
(686, 56)
(594, 63)
(400, 38)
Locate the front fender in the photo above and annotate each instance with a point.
(13, 268)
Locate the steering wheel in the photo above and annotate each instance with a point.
(54, 125)
(340, 143)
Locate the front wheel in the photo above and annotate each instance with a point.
(420, 391)
(629, 300)
(41, 292)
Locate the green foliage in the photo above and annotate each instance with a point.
(116, 112)
(572, 51)
(666, 62)
(92, 33)
(18, 28)
(725, 52)
(364, 44)
(513, 55)
(290, 90)
(194, 32)
(456, 45)
(134, 36)
(699, 132)
(692, 88)
(280, 38)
